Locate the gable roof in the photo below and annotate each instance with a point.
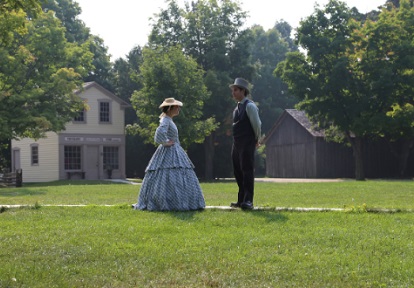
(89, 85)
(301, 118)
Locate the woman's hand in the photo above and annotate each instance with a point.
(168, 143)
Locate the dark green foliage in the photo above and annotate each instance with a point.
(211, 33)
(168, 73)
(354, 73)
(268, 49)
(39, 73)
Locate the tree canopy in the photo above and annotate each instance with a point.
(210, 32)
(268, 49)
(353, 72)
(169, 73)
(386, 51)
(12, 18)
(67, 11)
(39, 74)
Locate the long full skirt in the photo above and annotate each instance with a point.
(170, 183)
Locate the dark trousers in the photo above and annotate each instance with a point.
(243, 166)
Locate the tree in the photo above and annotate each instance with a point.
(102, 66)
(67, 11)
(285, 31)
(385, 50)
(212, 34)
(127, 80)
(9, 6)
(401, 132)
(355, 74)
(12, 19)
(76, 32)
(396, 3)
(168, 73)
(268, 49)
(38, 76)
(326, 79)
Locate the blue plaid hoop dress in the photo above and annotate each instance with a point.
(170, 183)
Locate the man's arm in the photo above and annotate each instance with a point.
(253, 114)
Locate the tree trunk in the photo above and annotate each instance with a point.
(209, 157)
(357, 148)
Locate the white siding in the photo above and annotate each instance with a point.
(48, 168)
(93, 96)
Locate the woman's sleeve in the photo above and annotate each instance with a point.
(160, 136)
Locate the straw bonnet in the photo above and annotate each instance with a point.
(171, 102)
(241, 83)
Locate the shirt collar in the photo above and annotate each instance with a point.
(243, 100)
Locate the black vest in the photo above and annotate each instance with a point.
(242, 129)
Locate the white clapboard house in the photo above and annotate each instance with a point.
(91, 147)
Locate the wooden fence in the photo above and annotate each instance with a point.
(9, 179)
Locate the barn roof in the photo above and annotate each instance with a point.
(301, 118)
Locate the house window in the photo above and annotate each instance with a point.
(110, 157)
(35, 154)
(104, 112)
(80, 118)
(73, 158)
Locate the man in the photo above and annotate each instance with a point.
(246, 135)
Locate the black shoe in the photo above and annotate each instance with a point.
(235, 204)
(247, 205)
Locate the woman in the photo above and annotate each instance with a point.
(170, 183)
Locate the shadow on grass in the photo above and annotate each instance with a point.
(181, 215)
(20, 192)
(73, 183)
(270, 216)
(184, 215)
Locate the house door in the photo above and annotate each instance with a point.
(92, 163)
(16, 160)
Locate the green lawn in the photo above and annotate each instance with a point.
(115, 246)
(375, 194)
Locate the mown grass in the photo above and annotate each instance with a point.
(115, 246)
(375, 194)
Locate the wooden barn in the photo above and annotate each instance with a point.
(295, 148)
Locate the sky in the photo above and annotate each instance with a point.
(124, 24)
